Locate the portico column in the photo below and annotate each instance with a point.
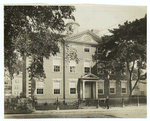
(96, 90)
(83, 90)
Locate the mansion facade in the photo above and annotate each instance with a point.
(69, 80)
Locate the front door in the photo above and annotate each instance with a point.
(87, 90)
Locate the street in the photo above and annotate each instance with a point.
(115, 112)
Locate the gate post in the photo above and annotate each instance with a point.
(57, 104)
(138, 101)
(98, 103)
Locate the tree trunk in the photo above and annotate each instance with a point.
(130, 80)
(24, 76)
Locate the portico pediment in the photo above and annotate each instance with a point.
(90, 76)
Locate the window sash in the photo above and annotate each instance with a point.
(124, 90)
(72, 69)
(56, 68)
(87, 69)
(56, 91)
(56, 87)
(112, 87)
(87, 64)
(72, 63)
(112, 84)
(123, 87)
(56, 84)
(100, 88)
(100, 91)
(39, 91)
(57, 62)
(72, 90)
(86, 49)
(112, 90)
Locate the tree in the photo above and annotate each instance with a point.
(126, 47)
(33, 31)
(28, 29)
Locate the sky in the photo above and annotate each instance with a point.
(104, 17)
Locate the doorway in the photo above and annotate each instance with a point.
(88, 90)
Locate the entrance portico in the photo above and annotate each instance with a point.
(89, 87)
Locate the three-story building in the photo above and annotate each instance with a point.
(69, 80)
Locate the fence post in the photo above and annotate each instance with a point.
(57, 104)
(98, 103)
(123, 102)
(138, 101)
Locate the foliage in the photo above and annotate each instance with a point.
(125, 47)
(19, 104)
(71, 54)
(33, 31)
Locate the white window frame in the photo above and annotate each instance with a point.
(112, 81)
(101, 81)
(74, 66)
(124, 81)
(73, 80)
(86, 66)
(87, 47)
(39, 87)
(59, 58)
(57, 80)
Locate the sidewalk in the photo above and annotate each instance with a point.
(91, 110)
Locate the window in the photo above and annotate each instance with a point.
(72, 67)
(123, 87)
(39, 87)
(112, 86)
(87, 49)
(87, 68)
(101, 87)
(100, 68)
(72, 87)
(16, 87)
(56, 64)
(39, 91)
(56, 87)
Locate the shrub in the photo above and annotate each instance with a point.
(19, 104)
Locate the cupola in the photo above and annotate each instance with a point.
(72, 27)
